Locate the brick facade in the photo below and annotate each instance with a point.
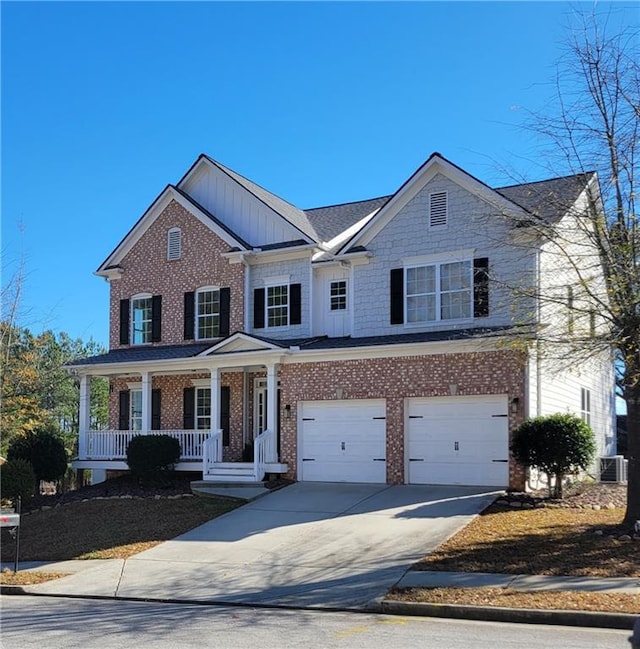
(498, 372)
(146, 270)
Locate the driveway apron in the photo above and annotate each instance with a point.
(323, 545)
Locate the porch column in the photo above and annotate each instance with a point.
(215, 400)
(272, 409)
(146, 402)
(84, 415)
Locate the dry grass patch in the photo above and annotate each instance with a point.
(27, 577)
(108, 529)
(503, 597)
(539, 541)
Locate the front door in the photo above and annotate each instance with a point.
(260, 406)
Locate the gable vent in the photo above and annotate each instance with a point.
(438, 209)
(174, 244)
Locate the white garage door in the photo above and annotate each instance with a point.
(458, 440)
(342, 440)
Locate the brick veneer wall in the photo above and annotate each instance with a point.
(172, 387)
(497, 372)
(146, 270)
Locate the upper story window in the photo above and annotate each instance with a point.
(277, 306)
(141, 319)
(208, 313)
(439, 292)
(438, 209)
(338, 295)
(174, 244)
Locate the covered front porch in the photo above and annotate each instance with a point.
(221, 404)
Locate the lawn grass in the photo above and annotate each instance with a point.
(108, 528)
(542, 541)
(539, 541)
(507, 598)
(27, 577)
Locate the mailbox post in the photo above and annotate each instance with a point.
(12, 521)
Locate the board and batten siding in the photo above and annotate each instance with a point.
(473, 225)
(238, 209)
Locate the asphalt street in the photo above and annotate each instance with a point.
(66, 623)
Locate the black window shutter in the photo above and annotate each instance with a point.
(156, 318)
(225, 413)
(295, 304)
(258, 308)
(225, 311)
(123, 410)
(124, 322)
(481, 287)
(155, 409)
(188, 408)
(396, 296)
(189, 315)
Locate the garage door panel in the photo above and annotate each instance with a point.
(458, 440)
(343, 441)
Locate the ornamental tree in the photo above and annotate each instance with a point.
(558, 445)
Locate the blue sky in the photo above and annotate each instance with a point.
(104, 103)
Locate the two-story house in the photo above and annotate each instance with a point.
(365, 342)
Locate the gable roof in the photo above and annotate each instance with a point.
(549, 199)
(294, 215)
(330, 221)
(170, 192)
(546, 199)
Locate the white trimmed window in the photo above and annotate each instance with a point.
(585, 405)
(438, 209)
(207, 313)
(135, 410)
(174, 244)
(203, 408)
(277, 305)
(141, 319)
(338, 295)
(439, 292)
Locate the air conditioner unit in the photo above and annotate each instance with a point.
(613, 469)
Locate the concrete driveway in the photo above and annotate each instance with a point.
(322, 545)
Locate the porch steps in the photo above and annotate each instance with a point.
(236, 472)
(243, 490)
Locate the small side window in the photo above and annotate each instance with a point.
(174, 244)
(338, 295)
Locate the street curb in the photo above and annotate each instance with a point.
(13, 590)
(623, 621)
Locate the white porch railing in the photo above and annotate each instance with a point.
(264, 451)
(112, 444)
(212, 449)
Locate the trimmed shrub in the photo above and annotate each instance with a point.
(44, 449)
(152, 458)
(17, 478)
(558, 445)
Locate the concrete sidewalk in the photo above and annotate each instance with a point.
(315, 545)
(525, 583)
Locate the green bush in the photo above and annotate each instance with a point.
(44, 449)
(17, 478)
(152, 458)
(558, 445)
